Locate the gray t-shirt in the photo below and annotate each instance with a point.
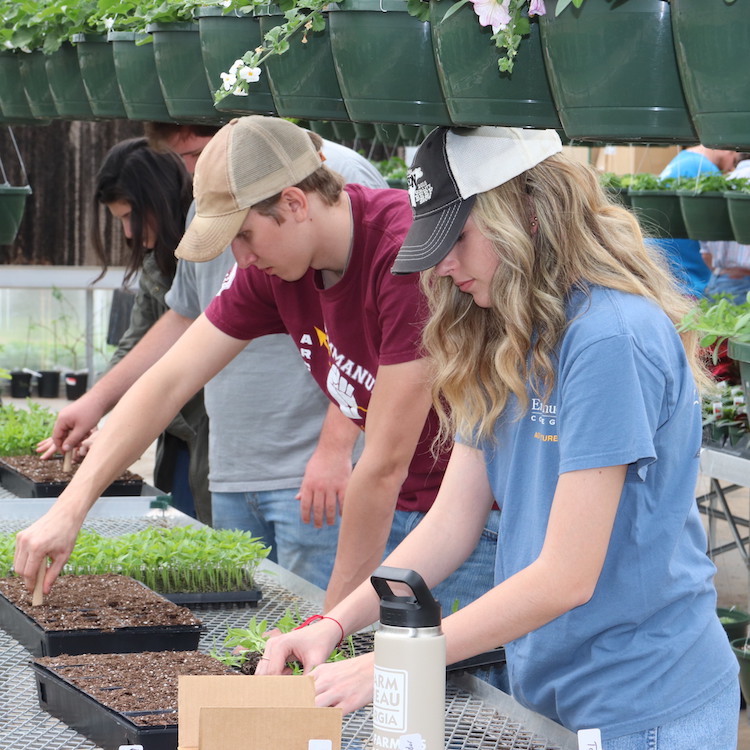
(265, 409)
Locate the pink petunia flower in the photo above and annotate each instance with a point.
(536, 8)
(492, 13)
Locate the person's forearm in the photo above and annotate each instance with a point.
(109, 389)
(369, 504)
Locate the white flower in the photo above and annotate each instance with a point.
(228, 81)
(250, 75)
(239, 92)
(109, 22)
(236, 65)
(226, 3)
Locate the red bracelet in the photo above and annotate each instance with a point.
(315, 618)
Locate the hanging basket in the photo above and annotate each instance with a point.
(12, 204)
(385, 63)
(475, 90)
(303, 80)
(738, 206)
(223, 39)
(13, 102)
(711, 41)
(137, 78)
(66, 84)
(97, 64)
(36, 84)
(182, 77)
(613, 72)
(659, 212)
(706, 216)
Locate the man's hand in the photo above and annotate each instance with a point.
(73, 425)
(321, 494)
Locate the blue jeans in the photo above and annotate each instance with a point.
(712, 725)
(274, 516)
(475, 577)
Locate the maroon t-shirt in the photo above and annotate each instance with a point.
(344, 333)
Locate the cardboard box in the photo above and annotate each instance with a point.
(241, 700)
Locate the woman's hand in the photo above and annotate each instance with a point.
(344, 684)
(310, 646)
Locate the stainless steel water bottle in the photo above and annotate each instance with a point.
(409, 688)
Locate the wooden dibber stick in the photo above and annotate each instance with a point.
(67, 462)
(37, 598)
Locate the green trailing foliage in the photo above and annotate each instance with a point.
(22, 429)
(174, 560)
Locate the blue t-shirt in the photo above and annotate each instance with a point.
(685, 255)
(648, 647)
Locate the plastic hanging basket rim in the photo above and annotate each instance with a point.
(739, 350)
(15, 189)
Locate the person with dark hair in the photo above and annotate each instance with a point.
(149, 193)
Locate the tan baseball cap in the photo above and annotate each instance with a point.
(248, 160)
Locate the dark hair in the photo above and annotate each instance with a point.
(158, 133)
(158, 188)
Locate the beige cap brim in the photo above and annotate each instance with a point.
(207, 237)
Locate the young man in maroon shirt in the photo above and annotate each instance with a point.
(313, 260)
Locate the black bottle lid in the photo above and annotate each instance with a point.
(421, 610)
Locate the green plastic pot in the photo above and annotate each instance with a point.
(344, 131)
(182, 77)
(385, 63)
(12, 204)
(13, 101)
(475, 90)
(737, 622)
(224, 39)
(411, 135)
(97, 63)
(66, 84)
(740, 352)
(659, 212)
(137, 77)
(706, 216)
(324, 129)
(303, 80)
(711, 41)
(613, 72)
(365, 131)
(36, 84)
(743, 657)
(738, 206)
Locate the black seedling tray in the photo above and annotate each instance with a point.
(215, 598)
(22, 486)
(107, 728)
(43, 642)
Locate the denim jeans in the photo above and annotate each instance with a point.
(712, 726)
(274, 516)
(475, 577)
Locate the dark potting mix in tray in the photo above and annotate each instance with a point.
(120, 699)
(95, 614)
(30, 476)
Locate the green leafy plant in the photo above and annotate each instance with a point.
(173, 560)
(718, 319)
(646, 181)
(242, 643)
(67, 332)
(712, 182)
(22, 429)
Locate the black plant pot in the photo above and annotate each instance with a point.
(48, 384)
(20, 384)
(75, 384)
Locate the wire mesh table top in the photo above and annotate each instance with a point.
(475, 719)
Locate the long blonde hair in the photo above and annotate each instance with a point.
(480, 356)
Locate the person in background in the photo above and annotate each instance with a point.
(685, 254)
(313, 260)
(149, 193)
(556, 363)
(729, 261)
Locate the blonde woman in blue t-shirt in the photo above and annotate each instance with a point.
(558, 367)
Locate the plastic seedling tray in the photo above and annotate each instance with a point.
(102, 725)
(23, 486)
(215, 598)
(43, 642)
